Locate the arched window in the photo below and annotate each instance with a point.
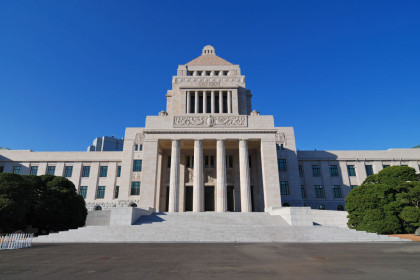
(321, 207)
(340, 208)
(133, 205)
(286, 204)
(98, 208)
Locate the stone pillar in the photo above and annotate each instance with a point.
(188, 102)
(271, 185)
(221, 200)
(196, 102)
(212, 102)
(220, 102)
(229, 101)
(244, 177)
(174, 177)
(204, 102)
(198, 182)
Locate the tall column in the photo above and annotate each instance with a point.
(244, 177)
(220, 101)
(271, 185)
(212, 102)
(229, 101)
(174, 177)
(196, 102)
(198, 182)
(188, 102)
(221, 200)
(204, 102)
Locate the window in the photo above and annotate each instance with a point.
(190, 161)
(169, 161)
(229, 160)
(319, 191)
(141, 147)
(116, 191)
(302, 190)
(284, 187)
(68, 171)
(300, 171)
(385, 166)
(1, 169)
(282, 164)
(137, 165)
(321, 207)
(353, 186)
(351, 170)
(98, 208)
(100, 193)
(136, 147)
(51, 170)
(16, 169)
(225, 73)
(83, 191)
(249, 162)
(119, 171)
(86, 171)
(34, 170)
(337, 191)
(135, 188)
(316, 170)
(369, 170)
(209, 162)
(103, 171)
(333, 170)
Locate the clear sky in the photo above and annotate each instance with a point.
(344, 74)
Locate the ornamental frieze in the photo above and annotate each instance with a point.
(210, 121)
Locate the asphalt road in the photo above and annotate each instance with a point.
(213, 261)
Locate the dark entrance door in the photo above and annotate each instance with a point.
(230, 199)
(209, 198)
(167, 199)
(188, 198)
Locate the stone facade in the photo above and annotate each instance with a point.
(209, 151)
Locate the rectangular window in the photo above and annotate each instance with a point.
(68, 171)
(208, 100)
(281, 163)
(117, 191)
(353, 186)
(316, 170)
(141, 147)
(103, 171)
(211, 161)
(135, 188)
(16, 169)
(337, 191)
(369, 170)
(319, 191)
(200, 104)
(100, 193)
(169, 161)
(385, 166)
(300, 171)
(333, 170)
(249, 162)
(137, 163)
(225, 107)
(206, 162)
(351, 170)
(83, 191)
(51, 170)
(34, 170)
(86, 171)
(284, 187)
(192, 103)
(119, 171)
(136, 147)
(302, 190)
(216, 102)
(229, 161)
(1, 169)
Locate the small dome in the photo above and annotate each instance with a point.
(208, 50)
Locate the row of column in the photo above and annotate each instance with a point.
(198, 182)
(212, 103)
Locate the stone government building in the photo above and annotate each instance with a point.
(209, 151)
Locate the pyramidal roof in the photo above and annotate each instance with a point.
(208, 58)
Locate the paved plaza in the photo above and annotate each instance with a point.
(213, 261)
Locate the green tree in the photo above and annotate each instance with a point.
(14, 202)
(386, 202)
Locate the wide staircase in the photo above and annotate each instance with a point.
(214, 228)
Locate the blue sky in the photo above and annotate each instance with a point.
(344, 74)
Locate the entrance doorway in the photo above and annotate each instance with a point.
(188, 198)
(230, 198)
(209, 198)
